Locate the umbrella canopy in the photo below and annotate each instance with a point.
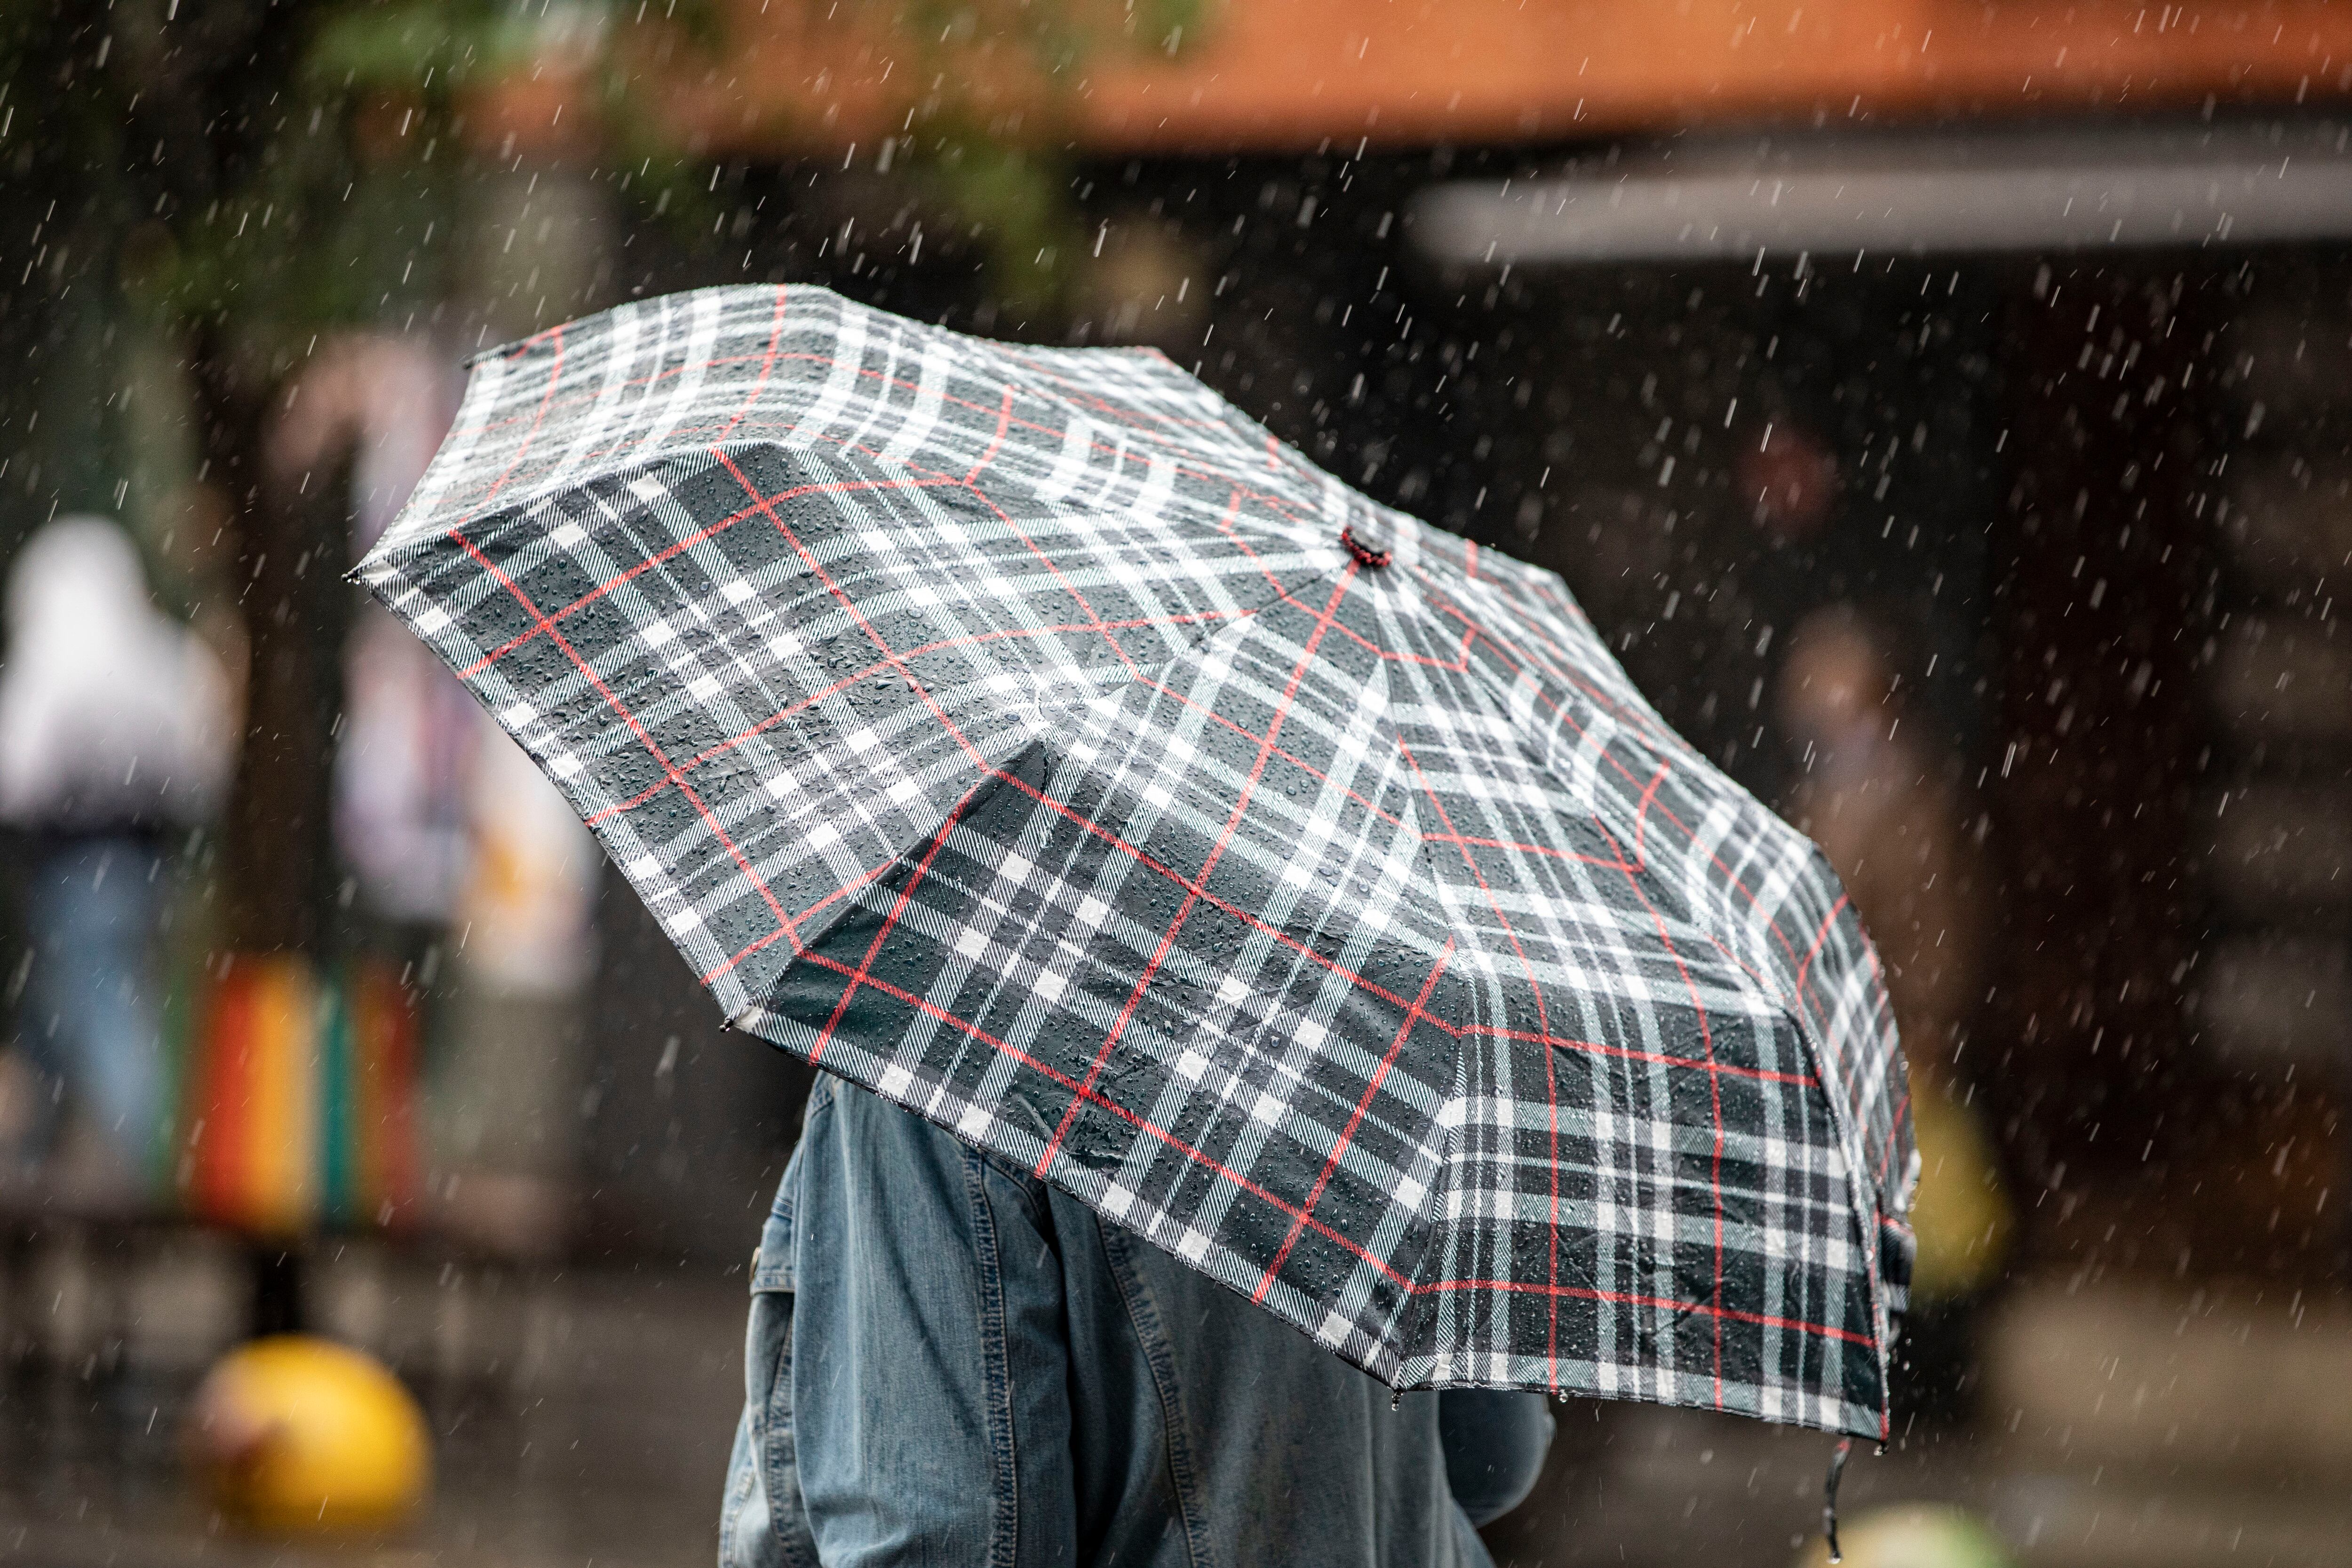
(1029, 736)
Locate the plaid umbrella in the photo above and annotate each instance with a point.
(1030, 737)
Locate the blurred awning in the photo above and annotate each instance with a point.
(1271, 75)
(1951, 192)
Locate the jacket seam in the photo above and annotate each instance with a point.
(1005, 1529)
(1143, 1316)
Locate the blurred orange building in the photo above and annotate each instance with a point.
(1628, 205)
(1280, 75)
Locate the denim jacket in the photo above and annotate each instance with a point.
(951, 1363)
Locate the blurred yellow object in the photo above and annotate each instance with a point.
(296, 1435)
(1960, 1213)
(1913, 1535)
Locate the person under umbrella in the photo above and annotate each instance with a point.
(950, 1360)
(1030, 740)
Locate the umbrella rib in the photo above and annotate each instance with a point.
(1628, 1053)
(971, 483)
(1301, 763)
(1200, 890)
(554, 377)
(767, 368)
(1551, 1083)
(936, 480)
(1638, 1299)
(680, 547)
(1797, 1002)
(1413, 1014)
(1191, 886)
(645, 737)
(894, 659)
(889, 923)
(1714, 1100)
(1176, 923)
(793, 709)
(1731, 879)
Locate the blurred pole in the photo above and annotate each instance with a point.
(276, 1268)
(291, 537)
(291, 534)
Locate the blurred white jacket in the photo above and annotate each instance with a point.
(112, 714)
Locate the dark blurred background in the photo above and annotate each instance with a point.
(1943, 409)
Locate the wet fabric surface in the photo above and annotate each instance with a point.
(1027, 736)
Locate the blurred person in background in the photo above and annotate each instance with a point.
(410, 732)
(475, 876)
(1878, 802)
(114, 733)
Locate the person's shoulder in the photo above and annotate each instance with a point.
(875, 1128)
(882, 1132)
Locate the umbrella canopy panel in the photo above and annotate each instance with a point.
(1028, 736)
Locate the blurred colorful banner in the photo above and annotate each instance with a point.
(300, 1098)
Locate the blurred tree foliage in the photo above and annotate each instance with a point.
(230, 182)
(1009, 174)
(240, 176)
(268, 168)
(236, 178)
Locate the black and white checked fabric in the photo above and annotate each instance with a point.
(1013, 732)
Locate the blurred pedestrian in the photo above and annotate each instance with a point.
(951, 1361)
(1875, 796)
(451, 832)
(113, 733)
(1876, 799)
